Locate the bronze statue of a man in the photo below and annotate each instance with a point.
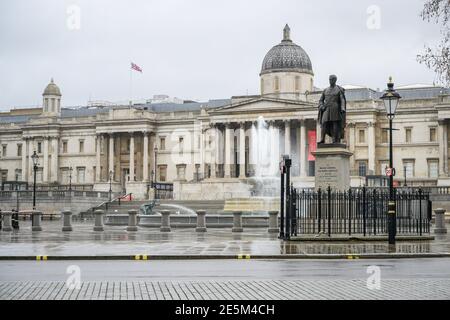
(332, 108)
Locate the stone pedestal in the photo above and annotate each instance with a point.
(165, 221)
(201, 221)
(7, 221)
(237, 222)
(332, 166)
(36, 217)
(98, 222)
(273, 222)
(132, 220)
(439, 216)
(67, 220)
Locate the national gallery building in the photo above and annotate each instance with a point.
(221, 148)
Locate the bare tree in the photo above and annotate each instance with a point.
(438, 58)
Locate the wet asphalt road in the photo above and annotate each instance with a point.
(424, 268)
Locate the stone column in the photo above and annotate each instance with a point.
(201, 221)
(132, 156)
(30, 161)
(145, 158)
(98, 164)
(67, 220)
(24, 159)
(443, 149)
(287, 137)
(54, 159)
(227, 165)
(371, 146)
(132, 220)
(214, 152)
(242, 150)
(45, 162)
(303, 158)
(351, 143)
(111, 155)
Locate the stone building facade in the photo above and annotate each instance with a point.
(213, 149)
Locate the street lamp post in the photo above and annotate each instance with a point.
(404, 175)
(151, 178)
(110, 183)
(35, 159)
(390, 99)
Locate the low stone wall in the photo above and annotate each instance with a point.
(211, 189)
(190, 221)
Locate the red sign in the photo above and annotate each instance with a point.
(311, 145)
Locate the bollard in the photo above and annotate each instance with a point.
(201, 221)
(7, 221)
(67, 220)
(36, 217)
(439, 218)
(132, 220)
(165, 221)
(98, 222)
(273, 222)
(237, 222)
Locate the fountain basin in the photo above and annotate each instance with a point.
(253, 204)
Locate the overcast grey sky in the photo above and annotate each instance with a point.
(199, 49)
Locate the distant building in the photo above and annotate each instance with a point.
(208, 150)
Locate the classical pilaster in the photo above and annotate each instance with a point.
(287, 137)
(443, 148)
(242, 150)
(351, 142)
(54, 159)
(111, 156)
(371, 146)
(303, 171)
(214, 151)
(132, 156)
(98, 164)
(145, 157)
(24, 159)
(45, 162)
(227, 166)
(30, 161)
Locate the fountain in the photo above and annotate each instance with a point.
(264, 158)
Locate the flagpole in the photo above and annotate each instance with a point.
(131, 86)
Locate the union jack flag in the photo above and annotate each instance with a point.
(136, 67)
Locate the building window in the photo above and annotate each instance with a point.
(4, 150)
(408, 135)
(277, 84)
(362, 136)
(162, 172)
(81, 146)
(181, 171)
(18, 175)
(81, 174)
(362, 168)
(128, 145)
(433, 135)
(433, 168)
(408, 165)
(180, 143)
(64, 147)
(384, 136)
(19, 150)
(297, 84)
(162, 143)
(4, 175)
(39, 147)
(64, 175)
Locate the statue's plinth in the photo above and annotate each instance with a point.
(332, 166)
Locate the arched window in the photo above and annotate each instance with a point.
(297, 83)
(276, 84)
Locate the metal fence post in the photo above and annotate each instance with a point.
(349, 211)
(319, 209)
(329, 210)
(364, 210)
(420, 212)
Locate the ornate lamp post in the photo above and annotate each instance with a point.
(404, 175)
(35, 159)
(390, 99)
(111, 173)
(151, 178)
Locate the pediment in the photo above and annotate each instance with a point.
(263, 105)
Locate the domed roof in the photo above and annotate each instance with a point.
(286, 56)
(52, 89)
